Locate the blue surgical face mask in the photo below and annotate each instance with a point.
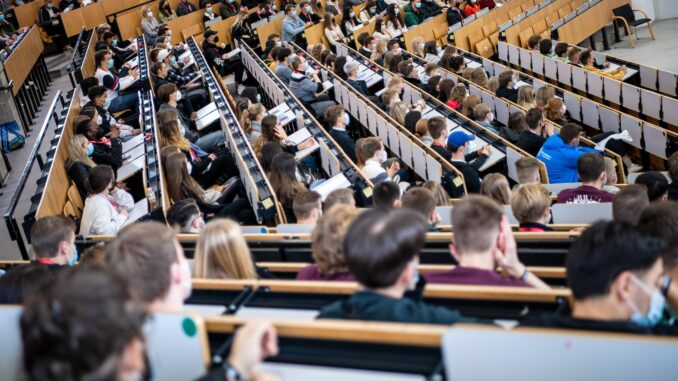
(74, 259)
(373, 11)
(294, 12)
(347, 119)
(2, 17)
(352, 14)
(279, 44)
(50, 5)
(258, 98)
(107, 103)
(209, 9)
(274, 7)
(115, 42)
(173, 60)
(90, 149)
(418, 5)
(654, 311)
(309, 9)
(111, 63)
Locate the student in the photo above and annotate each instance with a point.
(588, 62)
(308, 87)
(108, 152)
(506, 86)
(432, 7)
(273, 132)
(458, 65)
(338, 120)
(457, 96)
(49, 18)
(591, 170)
(184, 7)
(533, 43)
(414, 14)
(555, 110)
(166, 13)
(333, 32)
(382, 252)
(283, 179)
(307, 207)
(229, 8)
(479, 77)
(375, 156)
(386, 195)
(409, 73)
(471, 8)
(483, 242)
(79, 162)
(526, 97)
(454, 13)
(421, 200)
(185, 217)
(469, 103)
(118, 101)
(282, 70)
(241, 30)
(629, 203)
(369, 12)
(53, 242)
(527, 169)
(660, 220)
(20, 283)
(532, 139)
(484, 117)
(421, 130)
(217, 55)
(367, 47)
(546, 48)
(107, 207)
(381, 32)
(250, 121)
(350, 21)
(149, 25)
(531, 205)
(342, 196)
(573, 56)
(560, 51)
(327, 246)
(560, 153)
(467, 164)
(307, 15)
(516, 125)
(351, 70)
(657, 185)
(496, 187)
(611, 170)
(441, 196)
(293, 27)
(222, 253)
(614, 272)
(673, 174)
(543, 95)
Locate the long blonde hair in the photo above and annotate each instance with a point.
(77, 148)
(416, 50)
(221, 252)
(250, 114)
(170, 135)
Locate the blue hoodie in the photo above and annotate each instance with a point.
(561, 159)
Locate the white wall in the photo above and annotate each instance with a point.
(664, 9)
(646, 5)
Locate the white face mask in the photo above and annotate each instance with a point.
(297, 175)
(563, 109)
(383, 156)
(149, 14)
(186, 279)
(421, 46)
(182, 130)
(189, 167)
(178, 96)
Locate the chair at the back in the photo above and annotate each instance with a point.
(71, 211)
(581, 213)
(550, 353)
(74, 198)
(625, 16)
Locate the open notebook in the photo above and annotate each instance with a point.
(338, 181)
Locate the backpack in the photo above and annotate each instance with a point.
(12, 136)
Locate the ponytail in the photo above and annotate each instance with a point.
(245, 122)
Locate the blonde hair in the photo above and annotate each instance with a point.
(398, 112)
(441, 195)
(493, 84)
(379, 51)
(496, 187)
(526, 97)
(468, 74)
(328, 237)
(221, 252)
(250, 114)
(421, 128)
(458, 93)
(169, 135)
(415, 46)
(479, 77)
(530, 202)
(77, 148)
(611, 170)
(395, 80)
(544, 93)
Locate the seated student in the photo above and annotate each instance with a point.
(107, 207)
(440, 194)
(342, 196)
(432, 7)
(422, 200)
(351, 70)
(228, 8)
(573, 56)
(527, 169)
(457, 65)
(368, 46)
(470, 102)
(531, 205)
(273, 132)
(282, 69)
(333, 31)
(484, 117)
(120, 55)
(467, 164)
(163, 73)
(560, 153)
(242, 32)
(250, 121)
(532, 139)
(516, 125)
(591, 170)
(306, 13)
(222, 253)
(629, 203)
(560, 51)
(165, 13)
(555, 111)
(53, 242)
(472, 7)
(657, 185)
(546, 48)
(382, 252)
(533, 43)
(95, 109)
(263, 12)
(414, 14)
(217, 56)
(660, 220)
(338, 120)
(307, 207)
(430, 70)
(506, 86)
(496, 187)
(118, 101)
(483, 242)
(455, 13)
(285, 184)
(79, 162)
(615, 274)
(293, 27)
(386, 195)
(369, 12)
(185, 217)
(456, 97)
(611, 170)
(219, 200)
(19, 283)
(308, 88)
(437, 129)
(327, 246)
(103, 151)
(184, 7)
(374, 152)
(588, 61)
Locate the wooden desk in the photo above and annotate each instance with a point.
(20, 63)
(589, 22)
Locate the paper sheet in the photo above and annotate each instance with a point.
(132, 143)
(338, 181)
(299, 136)
(131, 168)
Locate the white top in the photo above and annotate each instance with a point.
(334, 36)
(374, 170)
(100, 217)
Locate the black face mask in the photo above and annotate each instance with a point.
(216, 39)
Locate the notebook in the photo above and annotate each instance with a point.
(338, 181)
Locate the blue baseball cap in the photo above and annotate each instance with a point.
(459, 138)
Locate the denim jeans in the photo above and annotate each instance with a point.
(124, 102)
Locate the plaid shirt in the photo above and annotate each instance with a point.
(176, 76)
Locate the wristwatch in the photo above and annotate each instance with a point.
(231, 373)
